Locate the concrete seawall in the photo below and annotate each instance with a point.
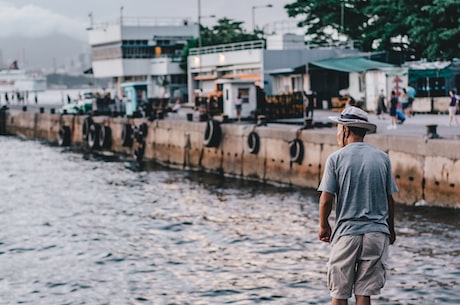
(427, 171)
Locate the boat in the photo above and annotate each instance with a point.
(14, 79)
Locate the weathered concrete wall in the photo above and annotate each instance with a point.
(426, 171)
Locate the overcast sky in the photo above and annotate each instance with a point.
(42, 17)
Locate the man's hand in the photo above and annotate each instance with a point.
(392, 236)
(325, 232)
(390, 220)
(325, 208)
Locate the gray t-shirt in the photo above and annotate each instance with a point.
(360, 176)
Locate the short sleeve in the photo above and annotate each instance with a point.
(392, 187)
(328, 181)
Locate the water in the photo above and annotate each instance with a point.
(77, 229)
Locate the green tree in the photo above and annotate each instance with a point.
(417, 28)
(323, 19)
(386, 25)
(225, 31)
(229, 31)
(435, 31)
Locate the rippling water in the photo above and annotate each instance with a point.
(76, 229)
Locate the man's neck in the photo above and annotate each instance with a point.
(354, 139)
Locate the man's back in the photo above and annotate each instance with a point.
(359, 177)
(361, 183)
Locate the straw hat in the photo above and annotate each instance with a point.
(354, 117)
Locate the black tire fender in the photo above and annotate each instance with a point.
(296, 151)
(127, 135)
(93, 136)
(87, 122)
(212, 134)
(105, 137)
(64, 136)
(253, 142)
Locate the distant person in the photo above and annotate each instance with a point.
(213, 105)
(404, 100)
(453, 108)
(310, 103)
(411, 94)
(238, 106)
(393, 105)
(36, 98)
(69, 100)
(198, 99)
(6, 98)
(381, 108)
(358, 178)
(177, 105)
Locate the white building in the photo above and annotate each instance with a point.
(240, 68)
(142, 50)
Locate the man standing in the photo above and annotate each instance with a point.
(238, 106)
(310, 103)
(359, 176)
(381, 108)
(411, 93)
(453, 108)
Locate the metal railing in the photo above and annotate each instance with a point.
(230, 47)
(143, 21)
(156, 21)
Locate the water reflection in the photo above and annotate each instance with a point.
(78, 229)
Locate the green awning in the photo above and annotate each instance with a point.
(414, 74)
(350, 64)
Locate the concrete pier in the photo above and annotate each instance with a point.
(427, 169)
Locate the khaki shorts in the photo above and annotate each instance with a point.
(358, 262)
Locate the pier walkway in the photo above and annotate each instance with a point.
(413, 126)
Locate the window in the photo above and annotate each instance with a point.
(244, 92)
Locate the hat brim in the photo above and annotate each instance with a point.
(369, 127)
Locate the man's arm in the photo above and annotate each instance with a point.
(325, 207)
(390, 220)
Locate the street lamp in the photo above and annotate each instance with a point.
(342, 8)
(199, 39)
(253, 14)
(199, 22)
(90, 16)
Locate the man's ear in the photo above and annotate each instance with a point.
(346, 131)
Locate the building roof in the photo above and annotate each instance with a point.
(438, 69)
(423, 65)
(350, 64)
(281, 71)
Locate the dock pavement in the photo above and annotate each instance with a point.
(416, 125)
